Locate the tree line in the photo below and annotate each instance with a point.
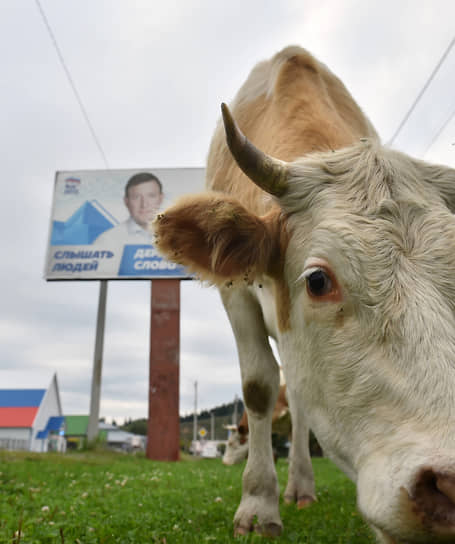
(139, 426)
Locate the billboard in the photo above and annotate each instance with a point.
(99, 222)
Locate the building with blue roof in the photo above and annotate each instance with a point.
(32, 419)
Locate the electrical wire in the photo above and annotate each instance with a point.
(440, 131)
(72, 84)
(422, 91)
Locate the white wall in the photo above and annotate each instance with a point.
(50, 407)
(14, 438)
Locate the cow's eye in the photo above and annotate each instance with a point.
(319, 283)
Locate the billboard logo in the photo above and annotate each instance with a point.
(72, 186)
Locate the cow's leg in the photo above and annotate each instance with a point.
(300, 487)
(381, 537)
(258, 508)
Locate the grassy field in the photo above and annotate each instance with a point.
(89, 498)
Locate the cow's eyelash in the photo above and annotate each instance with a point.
(310, 271)
(306, 273)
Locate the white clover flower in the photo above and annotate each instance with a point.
(45, 509)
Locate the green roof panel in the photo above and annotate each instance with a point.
(76, 425)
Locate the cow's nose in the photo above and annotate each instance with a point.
(433, 499)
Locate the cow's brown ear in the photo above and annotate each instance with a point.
(215, 237)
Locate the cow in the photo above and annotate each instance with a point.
(237, 445)
(343, 251)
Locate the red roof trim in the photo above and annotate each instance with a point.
(17, 417)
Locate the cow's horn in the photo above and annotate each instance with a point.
(268, 173)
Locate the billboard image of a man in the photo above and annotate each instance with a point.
(143, 198)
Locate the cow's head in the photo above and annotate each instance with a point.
(361, 249)
(237, 445)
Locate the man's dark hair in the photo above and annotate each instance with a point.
(142, 177)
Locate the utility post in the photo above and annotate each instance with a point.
(195, 413)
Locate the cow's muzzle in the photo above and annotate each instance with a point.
(432, 500)
(409, 497)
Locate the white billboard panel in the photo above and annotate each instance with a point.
(99, 222)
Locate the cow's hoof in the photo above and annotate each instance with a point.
(302, 502)
(305, 501)
(241, 531)
(271, 530)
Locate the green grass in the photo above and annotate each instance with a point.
(89, 498)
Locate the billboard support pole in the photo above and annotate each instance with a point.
(163, 438)
(92, 429)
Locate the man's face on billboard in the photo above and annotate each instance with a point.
(143, 202)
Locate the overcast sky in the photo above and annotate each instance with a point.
(152, 75)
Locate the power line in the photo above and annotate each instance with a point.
(440, 131)
(72, 84)
(424, 88)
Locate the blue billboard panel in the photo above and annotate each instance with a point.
(139, 260)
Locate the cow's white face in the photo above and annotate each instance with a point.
(371, 341)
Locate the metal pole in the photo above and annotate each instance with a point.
(92, 429)
(195, 413)
(212, 425)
